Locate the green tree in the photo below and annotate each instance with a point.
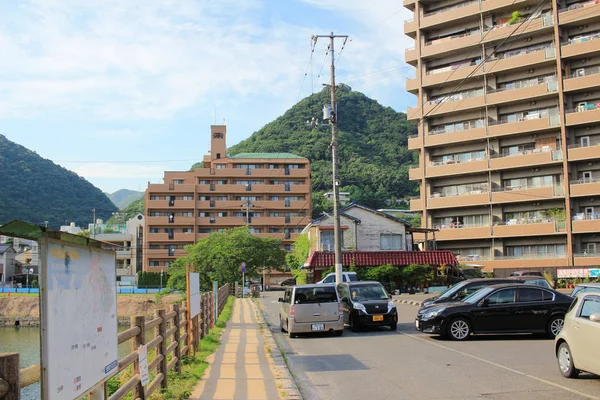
(297, 257)
(219, 257)
(133, 209)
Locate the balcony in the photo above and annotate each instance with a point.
(520, 59)
(579, 153)
(450, 14)
(281, 205)
(164, 253)
(416, 204)
(410, 28)
(586, 223)
(457, 102)
(412, 85)
(502, 32)
(178, 220)
(495, 5)
(170, 188)
(414, 142)
(449, 44)
(123, 271)
(157, 237)
(411, 55)
(585, 78)
(586, 259)
(516, 228)
(581, 47)
(588, 114)
(521, 193)
(410, 4)
(220, 221)
(280, 236)
(123, 254)
(440, 137)
(527, 91)
(227, 204)
(415, 173)
(530, 261)
(184, 237)
(579, 15)
(413, 113)
(526, 124)
(525, 159)
(437, 77)
(456, 168)
(585, 187)
(464, 232)
(222, 173)
(280, 189)
(473, 198)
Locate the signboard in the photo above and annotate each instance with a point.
(243, 265)
(143, 360)
(194, 278)
(78, 318)
(578, 273)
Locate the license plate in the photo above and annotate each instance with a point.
(317, 327)
(417, 323)
(377, 318)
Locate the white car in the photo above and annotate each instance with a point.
(346, 277)
(576, 345)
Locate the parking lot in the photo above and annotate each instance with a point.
(407, 364)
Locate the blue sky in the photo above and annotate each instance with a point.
(120, 91)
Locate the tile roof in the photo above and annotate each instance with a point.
(356, 204)
(265, 155)
(377, 258)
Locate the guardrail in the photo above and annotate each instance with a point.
(174, 337)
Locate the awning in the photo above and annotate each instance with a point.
(377, 258)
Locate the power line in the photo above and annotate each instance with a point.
(308, 65)
(322, 64)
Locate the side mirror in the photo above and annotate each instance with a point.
(280, 300)
(595, 317)
(484, 302)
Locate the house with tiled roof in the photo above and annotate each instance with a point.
(7, 262)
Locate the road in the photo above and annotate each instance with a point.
(410, 365)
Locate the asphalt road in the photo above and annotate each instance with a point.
(407, 364)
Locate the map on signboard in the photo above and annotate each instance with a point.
(194, 294)
(80, 339)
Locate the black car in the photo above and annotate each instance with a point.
(367, 303)
(464, 289)
(289, 282)
(506, 308)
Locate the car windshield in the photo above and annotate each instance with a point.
(352, 277)
(324, 294)
(450, 291)
(479, 295)
(538, 282)
(471, 273)
(368, 292)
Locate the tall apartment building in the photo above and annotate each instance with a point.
(508, 113)
(269, 192)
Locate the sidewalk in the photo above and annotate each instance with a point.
(240, 368)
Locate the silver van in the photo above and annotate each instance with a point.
(311, 309)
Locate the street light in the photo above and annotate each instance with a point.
(27, 271)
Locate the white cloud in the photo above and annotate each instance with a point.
(117, 170)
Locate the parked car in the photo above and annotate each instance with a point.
(504, 308)
(585, 288)
(289, 282)
(464, 289)
(576, 345)
(311, 308)
(367, 303)
(346, 277)
(527, 273)
(455, 275)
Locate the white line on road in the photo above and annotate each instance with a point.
(568, 389)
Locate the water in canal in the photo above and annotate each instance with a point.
(26, 342)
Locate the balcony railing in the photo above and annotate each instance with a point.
(550, 53)
(546, 21)
(584, 181)
(581, 72)
(587, 254)
(553, 115)
(459, 226)
(453, 37)
(586, 107)
(473, 190)
(455, 161)
(552, 86)
(556, 154)
(582, 39)
(531, 256)
(452, 7)
(519, 187)
(579, 6)
(461, 126)
(457, 96)
(586, 216)
(558, 225)
(453, 67)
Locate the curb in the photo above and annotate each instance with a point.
(410, 302)
(286, 384)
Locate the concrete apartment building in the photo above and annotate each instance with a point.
(508, 113)
(270, 192)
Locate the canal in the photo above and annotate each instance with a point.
(26, 342)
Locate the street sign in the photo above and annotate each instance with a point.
(243, 265)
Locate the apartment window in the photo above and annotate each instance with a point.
(221, 166)
(247, 166)
(472, 253)
(203, 214)
(239, 214)
(221, 214)
(188, 197)
(523, 83)
(221, 198)
(154, 264)
(293, 166)
(459, 158)
(287, 248)
(154, 247)
(293, 198)
(459, 190)
(274, 198)
(274, 230)
(273, 166)
(463, 221)
(246, 198)
(154, 197)
(456, 126)
(177, 181)
(204, 198)
(154, 230)
(203, 182)
(532, 182)
(187, 214)
(524, 50)
(222, 182)
(188, 230)
(255, 230)
(204, 230)
(390, 241)
(248, 182)
(273, 214)
(527, 115)
(255, 214)
(327, 240)
(154, 214)
(536, 250)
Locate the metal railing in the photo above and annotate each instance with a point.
(582, 146)
(532, 256)
(472, 191)
(519, 187)
(449, 8)
(552, 115)
(455, 161)
(586, 216)
(581, 39)
(459, 127)
(453, 37)
(586, 107)
(586, 254)
(459, 226)
(457, 96)
(583, 181)
(588, 71)
(556, 154)
(552, 85)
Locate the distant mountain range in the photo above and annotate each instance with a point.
(124, 197)
(36, 190)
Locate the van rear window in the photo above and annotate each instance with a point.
(316, 295)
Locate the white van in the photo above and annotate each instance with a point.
(346, 277)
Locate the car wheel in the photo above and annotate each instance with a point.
(459, 329)
(394, 326)
(281, 325)
(339, 333)
(555, 325)
(565, 361)
(355, 326)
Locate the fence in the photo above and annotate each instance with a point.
(174, 338)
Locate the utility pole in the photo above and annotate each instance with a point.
(248, 204)
(94, 223)
(334, 157)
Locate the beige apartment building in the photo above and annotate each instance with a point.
(508, 113)
(269, 192)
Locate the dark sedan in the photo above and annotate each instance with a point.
(367, 304)
(505, 308)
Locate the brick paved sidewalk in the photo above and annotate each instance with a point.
(241, 368)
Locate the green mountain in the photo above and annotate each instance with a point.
(35, 190)
(124, 197)
(134, 208)
(372, 140)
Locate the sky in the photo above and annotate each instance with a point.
(121, 91)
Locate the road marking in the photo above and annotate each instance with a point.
(566, 388)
